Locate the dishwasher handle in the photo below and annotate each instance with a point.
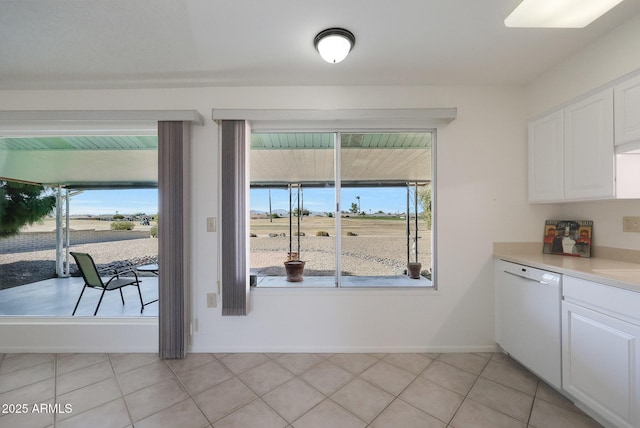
(554, 279)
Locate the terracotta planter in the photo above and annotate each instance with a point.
(294, 270)
(414, 270)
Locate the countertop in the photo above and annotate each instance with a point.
(608, 271)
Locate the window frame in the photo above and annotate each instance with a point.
(337, 133)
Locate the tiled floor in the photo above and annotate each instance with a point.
(279, 390)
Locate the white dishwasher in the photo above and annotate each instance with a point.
(528, 306)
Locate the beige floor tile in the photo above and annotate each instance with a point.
(450, 377)
(38, 392)
(550, 395)
(413, 363)
(511, 376)
(123, 363)
(265, 377)
(190, 362)
(503, 358)
(82, 377)
(239, 363)
(547, 415)
(74, 362)
(204, 377)
(324, 393)
(298, 363)
(30, 419)
(471, 363)
(292, 399)
(109, 415)
(363, 399)
(327, 377)
(401, 415)
(354, 363)
(26, 376)
(328, 414)
(90, 396)
(432, 398)
(224, 398)
(388, 377)
(154, 398)
(182, 415)
(144, 376)
(254, 414)
(485, 355)
(15, 362)
(503, 399)
(475, 415)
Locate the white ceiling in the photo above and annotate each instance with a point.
(171, 43)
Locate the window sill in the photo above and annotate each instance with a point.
(351, 285)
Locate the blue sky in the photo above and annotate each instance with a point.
(389, 200)
(109, 201)
(372, 200)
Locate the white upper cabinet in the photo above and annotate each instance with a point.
(571, 153)
(627, 111)
(546, 158)
(589, 150)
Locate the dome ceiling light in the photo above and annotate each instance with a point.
(334, 44)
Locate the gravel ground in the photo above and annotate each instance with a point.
(362, 255)
(24, 268)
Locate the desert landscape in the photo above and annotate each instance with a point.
(370, 247)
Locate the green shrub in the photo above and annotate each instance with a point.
(122, 225)
(351, 233)
(322, 233)
(118, 216)
(154, 231)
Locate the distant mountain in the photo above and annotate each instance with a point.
(285, 213)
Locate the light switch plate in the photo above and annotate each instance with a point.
(211, 300)
(211, 224)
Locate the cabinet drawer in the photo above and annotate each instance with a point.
(618, 302)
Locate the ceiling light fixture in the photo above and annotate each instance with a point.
(558, 13)
(334, 44)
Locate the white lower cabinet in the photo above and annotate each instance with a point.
(601, 350)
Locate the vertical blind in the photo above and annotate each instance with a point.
(173, 237)
(235, 287)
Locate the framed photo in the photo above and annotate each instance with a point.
(568, 237)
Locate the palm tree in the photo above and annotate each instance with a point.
(358, 198)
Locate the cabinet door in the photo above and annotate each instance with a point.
(546, 165)
(600, 363)
(588, 157)
(627, 111)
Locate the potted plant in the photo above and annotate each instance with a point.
(414, 268)
(294, 269)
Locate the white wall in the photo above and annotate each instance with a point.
(609, 58)
(482, 194)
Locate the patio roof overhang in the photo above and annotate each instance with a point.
(367, 159)
(81, 162)
(84, 149)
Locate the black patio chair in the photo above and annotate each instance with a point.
(92, 279)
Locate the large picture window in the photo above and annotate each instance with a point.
(345, 209)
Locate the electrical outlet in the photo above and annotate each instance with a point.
(211, 300)
(211, 224)
(631, 224)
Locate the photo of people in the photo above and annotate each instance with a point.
(568, 237)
